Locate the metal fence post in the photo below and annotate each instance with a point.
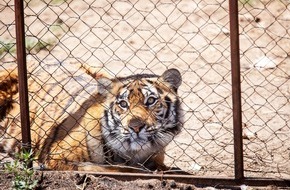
(236, 89)
(22, 75)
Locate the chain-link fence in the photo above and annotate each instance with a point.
(264, 28)
(128, 37)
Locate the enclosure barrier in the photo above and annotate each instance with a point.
(237, 107)
(22, 76)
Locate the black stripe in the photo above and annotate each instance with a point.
(159, 90)
(131, 92)
(177, 123)
(168, 104)
(106, 118)
(125, 85)
(5, 108)
(177, 110)
(136, 77)
(115, 122)
(149, 81)
(47, 145)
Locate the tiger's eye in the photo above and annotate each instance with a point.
(123, 104)
(151, 101)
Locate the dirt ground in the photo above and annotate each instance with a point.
(68, 180)
(129, 37)
(73, 180)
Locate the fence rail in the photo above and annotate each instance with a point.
(233, 56)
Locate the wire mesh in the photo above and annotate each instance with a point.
(128, 37)
(264, 27)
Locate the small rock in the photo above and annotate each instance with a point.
(265, 63)
(257, 19)
(150, 186)
(249, 135)
(188, 188)
(196, 167)
(172, 184)
(163, 183)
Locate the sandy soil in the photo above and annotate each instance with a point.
(126, 37)
(68, 180)
(73, 180)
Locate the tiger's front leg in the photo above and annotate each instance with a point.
(88, 166)
(156, 163)
(64, 164)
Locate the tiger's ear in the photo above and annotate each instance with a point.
(172, 77)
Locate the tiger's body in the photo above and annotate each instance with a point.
(126, 122)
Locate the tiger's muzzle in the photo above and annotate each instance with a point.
(136, 125)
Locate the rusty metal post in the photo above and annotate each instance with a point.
(22, 75)
(236, 89)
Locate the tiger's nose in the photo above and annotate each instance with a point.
(136, 125)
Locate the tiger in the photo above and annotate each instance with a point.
(122, 125)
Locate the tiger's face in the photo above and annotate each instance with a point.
(143, 116)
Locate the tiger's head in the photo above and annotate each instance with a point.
(142, 114)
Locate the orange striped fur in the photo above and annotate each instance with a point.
(107, 125)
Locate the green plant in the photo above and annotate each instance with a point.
(7, 48)
(34, 44)
(246, 2)
(31, 44)
(23, 175)
(57, 2)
